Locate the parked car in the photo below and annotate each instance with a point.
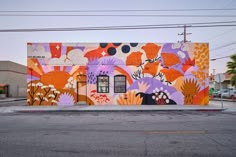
(229, 94)
(216, 94)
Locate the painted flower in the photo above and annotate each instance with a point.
(54, 101)
(161, 96)
(37, 99)
(45, 99)
(51, 96)
(53, 89)
(57, 92)
(50, 86)
(43, 87)
(66, 99)
(39, 84)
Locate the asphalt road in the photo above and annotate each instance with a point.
(133, 134)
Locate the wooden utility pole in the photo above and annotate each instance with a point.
(184, 34)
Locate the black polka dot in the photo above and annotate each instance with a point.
(103, 45)
(125, 48)
(133, 44)
(111, 51)
(116, 44)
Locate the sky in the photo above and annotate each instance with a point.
(222, 40)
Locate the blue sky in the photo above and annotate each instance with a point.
(13, 45)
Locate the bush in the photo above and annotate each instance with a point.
(1, 91)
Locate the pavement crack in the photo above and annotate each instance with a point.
(215, 141)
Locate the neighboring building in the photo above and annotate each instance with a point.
(225, 84)
(13, 79)
(117, 73)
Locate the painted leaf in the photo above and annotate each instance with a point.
(151, 68)
(134, 59)
(170, 59)
(151, 50)
(201, 97)
(97, 53)
(171, 74)
(188, 63)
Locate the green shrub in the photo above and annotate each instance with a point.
(1, 91)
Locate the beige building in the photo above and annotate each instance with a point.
(13, 79)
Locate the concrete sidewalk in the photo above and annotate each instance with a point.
(9, 99)
(110, 108)
(105, 108)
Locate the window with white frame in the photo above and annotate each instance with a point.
(119, 84)
(102, 84)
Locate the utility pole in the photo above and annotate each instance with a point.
(184, 34)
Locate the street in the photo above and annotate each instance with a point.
(126, 134)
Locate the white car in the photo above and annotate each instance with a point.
(229, 94)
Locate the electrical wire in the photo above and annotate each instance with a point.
(113, 10)
(116, 15)
(110, 28)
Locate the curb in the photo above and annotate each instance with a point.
(11, 100)
(118, 110)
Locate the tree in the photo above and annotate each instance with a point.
(232, 69)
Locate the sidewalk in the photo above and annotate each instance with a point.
(105, 108)
(11, 99)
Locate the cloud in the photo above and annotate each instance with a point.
(38, 52)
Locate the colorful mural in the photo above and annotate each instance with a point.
(66, 74)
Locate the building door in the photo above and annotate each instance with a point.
(81, 89)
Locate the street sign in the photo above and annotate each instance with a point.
(219, 78)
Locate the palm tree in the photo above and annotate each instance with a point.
(232, 69)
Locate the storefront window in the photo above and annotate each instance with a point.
(120, 84)
(103, 84)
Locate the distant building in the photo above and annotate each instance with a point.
(13, 79)
(224, 84)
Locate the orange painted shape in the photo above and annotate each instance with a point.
(171, 74)
(56, 78)
(170, 59)
(123, 72)
(134, 59)
(201, 97)
(151, 68)
(68, 49)
(34, 73)
(57, 68)
(151, 50)
(55, 49)
(97, 53)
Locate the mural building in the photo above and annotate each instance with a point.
(67, 74)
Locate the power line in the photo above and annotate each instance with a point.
(213, 59)
(116, 15)
(114, 10)
(109, 28)
(223, 46)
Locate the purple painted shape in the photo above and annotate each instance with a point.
(154, 83)
(46, 47)
(178, 98)
(65, 99)
(80, 48)
(68, 68)
(63, 50)
(33, 78)
(167, 48)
